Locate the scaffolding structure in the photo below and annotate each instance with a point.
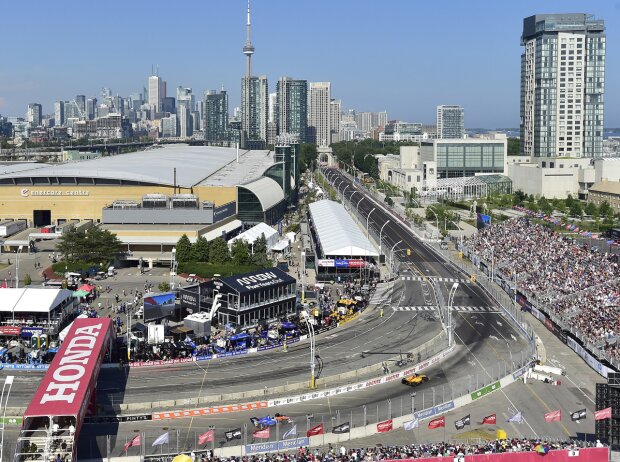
(466, 187)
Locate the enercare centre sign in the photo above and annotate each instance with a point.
(25, 192)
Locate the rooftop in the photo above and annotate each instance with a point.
(194, 165)
(609, 187)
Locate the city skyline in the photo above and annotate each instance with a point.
(457, 63)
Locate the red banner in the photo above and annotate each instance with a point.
(264, 433)
(603, 414)
(385, 426)
(136, 441)
(489, 420)
(560, 455)
(553, 416)
(206, 437)
(318, 430)
(10, 330)
(436, 423)
(356, 263)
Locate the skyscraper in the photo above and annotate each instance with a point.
(154, 94)
(80, 101)
(59, 113)
(91, 106)
(216, 116)
(185, 105)
(34, 114)
(319, 126)
(450, 122)
(562, 85)
(292, 104)
(335, 106)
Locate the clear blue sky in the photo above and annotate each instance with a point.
(403, 56)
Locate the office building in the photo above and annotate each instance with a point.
(450, 122)
(59, 113)
(91, 107)
(185, 100)
(272, 116)
(292, 102)
(396, 130)
(562, 85)
(255, 109)
(216, 116)
(168, 105)
(169, 126)
(80, 101)
(319, 125)
(154, 94)
(34, 114)
(334, 119)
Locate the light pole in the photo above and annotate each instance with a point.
(173, 261)
(19, 253)
(436, 218)
(453, 290)
(492, 258)
(359, 202)
(310, 327)
(343, 191)
(368, 222)
(461, 231)
(392, 255)
(8, 381)
(412, 404)
(380, 232)
(302, 262)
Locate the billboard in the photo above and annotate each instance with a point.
(157, 306)
(224, 211)
(482, 220)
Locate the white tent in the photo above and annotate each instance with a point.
(32, 299)
(337, 233)
(250, 236)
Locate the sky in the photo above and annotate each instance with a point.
(402, 56)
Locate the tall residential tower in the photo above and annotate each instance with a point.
(562, 85)
(319, 124)
(450, 122)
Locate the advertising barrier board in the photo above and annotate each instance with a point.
(485, 390)
(275, 446)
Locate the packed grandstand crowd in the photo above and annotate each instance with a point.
(569, 278)
(411, 451)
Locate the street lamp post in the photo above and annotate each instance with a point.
(8, 381)
(436, 219)
(492, 258)
(303, 276)
(453, 290)
(380, 232)
(19, 253)
(368, 222)
(173, 262)
(460, 230)
(392, 256)
(343, 191)
(359, 202)
(311, 337)
(412, 404)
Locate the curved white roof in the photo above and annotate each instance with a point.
(337, 233)
(32, 299)
(194, 165)
(268, 191)
(250, 235)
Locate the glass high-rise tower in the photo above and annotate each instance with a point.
(292, 113)
(562, 85)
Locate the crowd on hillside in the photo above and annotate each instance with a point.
(576, 282)
(410, 451)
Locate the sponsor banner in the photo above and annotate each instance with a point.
(225, 409)
(103, 419)
(555, 330)
(326, 263)
(518, 373)
(432, 411)
(341, 263)
(274, 446)
(10, 330)
(357, 263)
(587, 357)
(224, 211)
(161, 363)
(485, 390)
(559, 455)
(29, 331)
(25, 367)
(11, 420)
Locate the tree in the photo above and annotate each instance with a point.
(591, 209)
(96, 245)
(514, 146)
(240, 252)
(184, 249)
(545, 205)
(518, 197)
(218, 251)
(163, 287)
(575, 209)
(259, 257)
(27, 280)
(307, 157)
(389, 201)
(200, 250)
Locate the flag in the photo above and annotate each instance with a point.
(206, 437)
(318, 430)
(436, 423)
(578, 415)
(489, 420)
(233, 434)
(342, 428)
(263, 434)
(517, 418)
(603, 414)
(385, 426)
(460, 424)
(553, 416)
(411, 424)
(161, 439)
(291, 432)
(136, 441)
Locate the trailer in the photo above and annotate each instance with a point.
(8, 228)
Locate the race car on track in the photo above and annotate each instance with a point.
(414, 380)
(269, 421)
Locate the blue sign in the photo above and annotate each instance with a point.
(224, 211)
(25, 367)
(431, 411)
(341, 263)
(273, 446)
(28, 331)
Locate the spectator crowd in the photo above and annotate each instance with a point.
(564, 276)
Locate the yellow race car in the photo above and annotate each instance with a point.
(415, 379)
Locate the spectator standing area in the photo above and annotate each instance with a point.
(54, 418)
(340, 251)
(266, 294)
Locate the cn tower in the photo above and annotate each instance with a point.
(248, 49)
